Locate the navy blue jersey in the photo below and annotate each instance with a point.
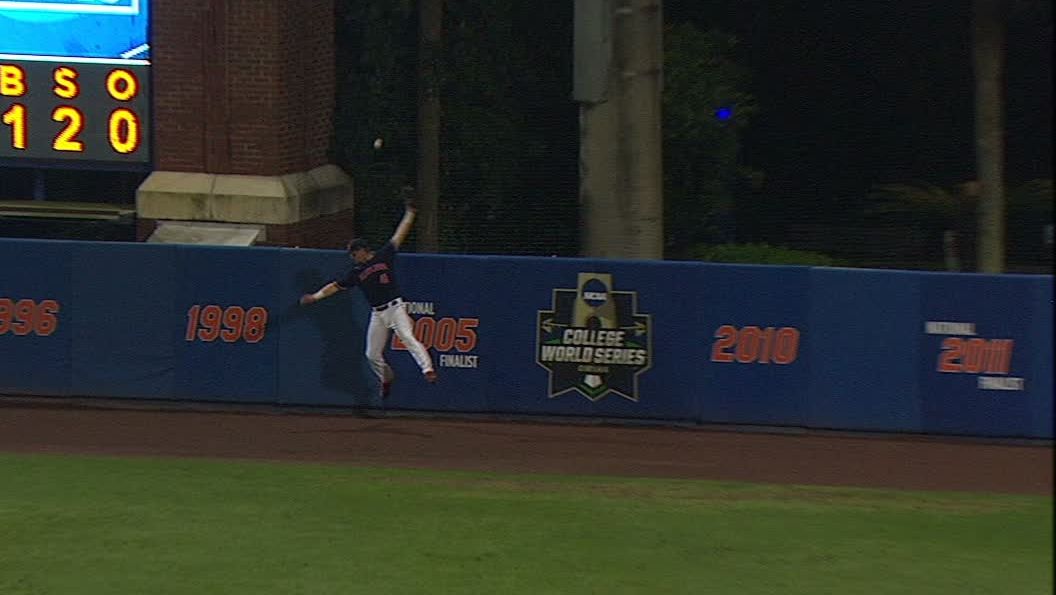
(376, 277)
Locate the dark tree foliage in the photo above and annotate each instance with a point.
(376, 45)
(509, 131)
(509, 140)
(705, 107)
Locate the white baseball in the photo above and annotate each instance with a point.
(378, 142)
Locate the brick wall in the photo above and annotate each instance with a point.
(327, 232)
(179, 81)
(243, 86)
(312, 53)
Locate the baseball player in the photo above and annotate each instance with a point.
(375, 274)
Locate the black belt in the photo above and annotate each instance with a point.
(387, 305)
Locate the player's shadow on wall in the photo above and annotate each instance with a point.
(341, 321)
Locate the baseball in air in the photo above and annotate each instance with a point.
(378, 142)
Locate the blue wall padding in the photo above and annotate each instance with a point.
(863, 349)
(126, 330)
(849, 349)
(30, 363)
(320, 355)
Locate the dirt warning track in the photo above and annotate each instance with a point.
(906, 462)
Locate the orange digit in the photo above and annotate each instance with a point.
(1006, 352)
(986, 355)
(727, 335)
(974, 355)
(425, 331)
(465, 336)
(748, 344)
(256, 325)
(210, 323)
(445, 334)
(192, 322)
(45, 320)
(997, 357)
(7, 309)
(950, 357)
(234, 317)
(1006, 361)
(786, 349)
(767, 345)
(24, 310)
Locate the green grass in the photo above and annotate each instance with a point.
(88, 526)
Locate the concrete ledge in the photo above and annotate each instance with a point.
(41, 209)
(203, 232)
(229, 198)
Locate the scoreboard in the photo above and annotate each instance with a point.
(75, 83)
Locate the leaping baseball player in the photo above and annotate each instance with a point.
(374, 273)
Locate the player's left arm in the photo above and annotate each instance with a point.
(324, 292)
(409, 212)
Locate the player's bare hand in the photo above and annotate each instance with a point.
(307, 299)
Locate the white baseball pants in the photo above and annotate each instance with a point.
(393, 318)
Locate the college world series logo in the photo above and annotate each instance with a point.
(593, 340)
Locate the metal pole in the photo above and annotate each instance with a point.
(431, 16)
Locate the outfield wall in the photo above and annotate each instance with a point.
(851, 349)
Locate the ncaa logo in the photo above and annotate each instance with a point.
(593, 340)
(595, 293)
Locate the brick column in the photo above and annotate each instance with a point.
(243, 112)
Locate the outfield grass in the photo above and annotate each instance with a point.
(93, 526)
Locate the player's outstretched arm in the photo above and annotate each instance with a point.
(324, 292)
(409, 211)
(404, 227)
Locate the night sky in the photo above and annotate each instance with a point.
(860, 92)
(851, 93)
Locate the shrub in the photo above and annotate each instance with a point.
(760, 254)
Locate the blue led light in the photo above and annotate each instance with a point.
(724, 113)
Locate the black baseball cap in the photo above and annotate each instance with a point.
(357, 244)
